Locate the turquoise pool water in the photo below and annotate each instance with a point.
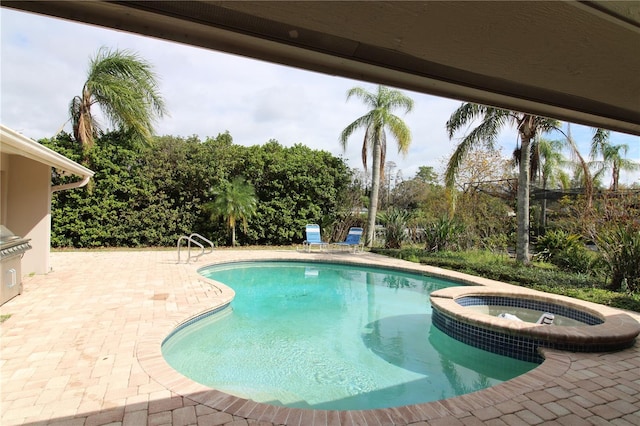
(328, 336)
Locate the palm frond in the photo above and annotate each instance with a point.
(488, 130)
(360, 122)
(395, 99)
(400, 132)
(379, 118)
(456, 159)
(125, 87)
(464, 115)
(551, 162)
(368, 98)
(599, 139)
(365, 149)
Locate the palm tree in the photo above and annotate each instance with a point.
(492, 120)
(550, 170)
(234, 201)
(125, 88)
(612, 158)
(375, 139)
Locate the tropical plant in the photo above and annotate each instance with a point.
(564, 250)
(395, 224)
(443, 234)
(550, 170)
(619, 245)
(125, 88)
(612, 157)
(492, 120)
(234, 201)
(379, 118)
(537, 275)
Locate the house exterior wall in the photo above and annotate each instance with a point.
(4, 188)
(25, 192)
(26, 208)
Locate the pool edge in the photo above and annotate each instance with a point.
(149, 355)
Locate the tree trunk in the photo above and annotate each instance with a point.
(233, 235)
(375, 189)
(616, 177)
(543, 209)
(522, 215)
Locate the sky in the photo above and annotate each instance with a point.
(44, 62)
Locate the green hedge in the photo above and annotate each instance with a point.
(150, 196)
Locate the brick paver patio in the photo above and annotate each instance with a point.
(79, 350)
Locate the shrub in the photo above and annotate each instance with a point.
(497, 243)
(619, 246)
(539, 276)
(564, 250)
(395, 223)
(443, 235)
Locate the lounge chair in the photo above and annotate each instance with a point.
(546, 319)
(353, 239)
(313, 238)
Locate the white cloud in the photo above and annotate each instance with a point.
(44, 64)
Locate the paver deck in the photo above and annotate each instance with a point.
(82, 348)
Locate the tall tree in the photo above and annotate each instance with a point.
(235, 201)
(379, 118)
(613, 157)
(126, 89)
(492, 120)
(486, 168)
(550, 170)
(426, 174)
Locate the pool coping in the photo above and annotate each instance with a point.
(555, 364)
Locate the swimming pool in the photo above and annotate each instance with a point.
(328, 336)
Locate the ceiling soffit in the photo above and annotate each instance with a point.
(576, 61)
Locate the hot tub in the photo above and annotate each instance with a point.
(600, 329)
(530, 310)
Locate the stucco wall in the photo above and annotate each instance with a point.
(4, 188)
(26, 208)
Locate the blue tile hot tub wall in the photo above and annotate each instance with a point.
(506, 343)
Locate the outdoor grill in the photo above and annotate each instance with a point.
(12, 248)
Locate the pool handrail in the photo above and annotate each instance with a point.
(191, 239)
(211, 243)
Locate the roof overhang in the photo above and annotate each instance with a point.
(573, 60)
(14, 143)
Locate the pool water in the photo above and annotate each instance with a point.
(329, 336)
(525, 314)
